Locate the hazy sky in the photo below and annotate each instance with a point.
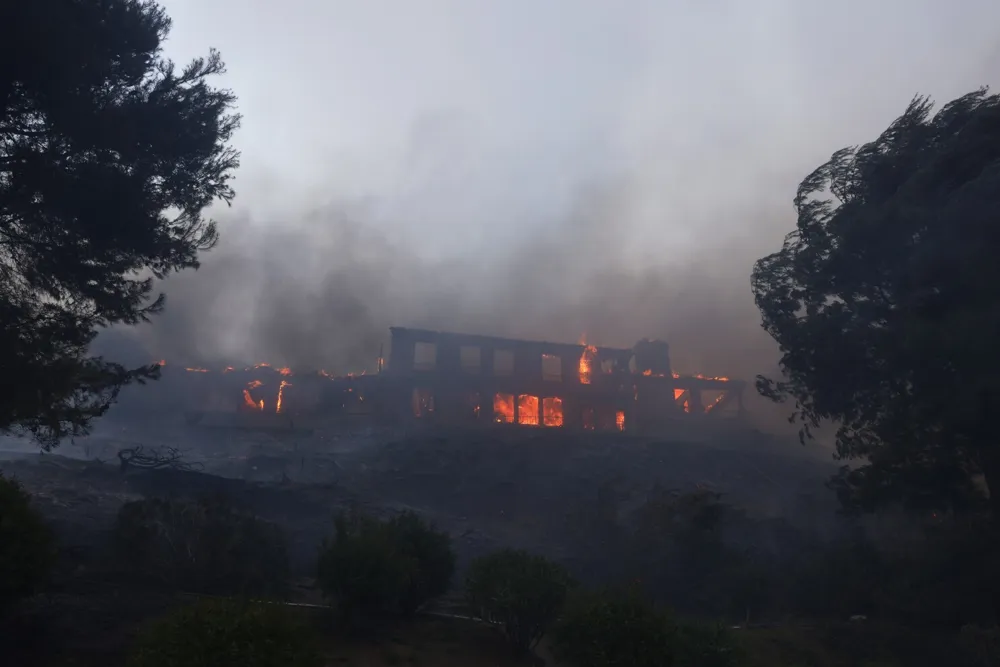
(542, 168)
(476, 119)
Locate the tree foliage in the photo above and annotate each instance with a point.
(27, 547)
(204, 546)
(109, 155)
(610, 628)
(373, 566)
(884, 301)
(518, 591)
(227, 633)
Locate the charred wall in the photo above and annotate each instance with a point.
(459, 378)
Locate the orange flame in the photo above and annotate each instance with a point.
(586, 361)
(718, 400)
(503, 408)
(527, 410)
(552, 411)
(285, 371)
(281, 392)
(620, 420)
(248, 399)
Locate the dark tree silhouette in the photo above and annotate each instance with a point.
(108, 157)
(885, 302)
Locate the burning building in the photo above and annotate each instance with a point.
(451, 378)
(442, 378)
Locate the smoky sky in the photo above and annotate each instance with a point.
(533, 169)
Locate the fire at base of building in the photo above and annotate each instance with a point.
(452, 379)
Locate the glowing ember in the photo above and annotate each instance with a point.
(552, 411)
(503, 408)
(527, 410)
(620, 420)
(281, 392)
(472, 400)
(714, 403)
(423, 402)
(678, 393)
(284, 371)
(586, 361)
(228, 369)
(162, 362)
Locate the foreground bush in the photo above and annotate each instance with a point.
(433, 556)
(373, 567)
(27, 547)
(205, 546)
(707, 646)
(226, 633)
(616, 629)
(519, 591)
(982, 644)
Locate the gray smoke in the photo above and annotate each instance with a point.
(322, 293)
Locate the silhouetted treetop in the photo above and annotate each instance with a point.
(885, 302)
(109, 155)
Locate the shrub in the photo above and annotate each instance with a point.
(27, 546)
(614, 628)
(519, 591)
(432, 555)
(226, 633)
(982, 644)
(708, 646)
(373, 566)
(205, 546)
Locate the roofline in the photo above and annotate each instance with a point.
(498, 341)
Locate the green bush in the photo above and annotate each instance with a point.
(226, 633)
(205, 546)
(374, 567)
(615, 629)
(27, 546)
(519, 591)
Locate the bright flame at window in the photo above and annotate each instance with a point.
(586, 362)
(527, 410)
(552, 411)
(503, 408)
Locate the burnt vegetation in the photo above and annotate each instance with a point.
(552, 523)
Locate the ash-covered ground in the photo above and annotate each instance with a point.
(526, 488)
